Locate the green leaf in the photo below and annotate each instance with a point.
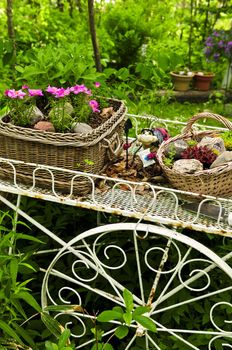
(123, 73)
(64, 338)
(109, 315)
(19, 69)
(127, 316)
(70, 308)
(50, 346)
(13, 271)
(121, 332)
(28, 298)
(52, 325)
(28, 238)
(25, 336)
(118, 309)
(128, 299)
(8, 330)
(141, 310)
(28, 266)
(107, 347)
(146, 322)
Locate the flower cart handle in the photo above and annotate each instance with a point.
(114, 146)
(203, 115)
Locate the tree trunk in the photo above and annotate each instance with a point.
(11, 31)
(94, 36)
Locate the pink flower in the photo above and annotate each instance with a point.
(94, 105)
(77, 89)
(61, 92)
(58, 92)
(25, 87)
(35, 92)
(97, 84)
(52, 89)
(19, 94)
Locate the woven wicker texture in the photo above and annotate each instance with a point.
(82, 152)
(215, 182)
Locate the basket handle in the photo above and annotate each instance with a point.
(113, 146)
(203, 115)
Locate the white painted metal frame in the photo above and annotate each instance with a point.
(95, 254)
(158, 205)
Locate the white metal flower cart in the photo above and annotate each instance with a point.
(163, 268)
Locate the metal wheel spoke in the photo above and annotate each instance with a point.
(189, 301)
(172, 332)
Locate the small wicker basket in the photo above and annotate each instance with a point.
(81, 152)
(215, 182)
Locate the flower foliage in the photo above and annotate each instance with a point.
(21, 103)
(219, 45)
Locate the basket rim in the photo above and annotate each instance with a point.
(66, 139)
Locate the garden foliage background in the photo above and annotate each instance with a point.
(48, 42)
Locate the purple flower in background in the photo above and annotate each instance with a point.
(94, 105)
(216, 33)
(97, 84)
(219, 45)
(216, 57)
(25, 87)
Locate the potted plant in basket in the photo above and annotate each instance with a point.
(182, 79)
(61, 127)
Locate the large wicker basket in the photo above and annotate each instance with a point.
(215, 182)
(81, 152)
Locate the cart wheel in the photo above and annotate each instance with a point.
(185, 287)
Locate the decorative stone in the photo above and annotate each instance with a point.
(187, 166)
(35, 115)
(82, 128)
(178, 147)
(107, 112)
(216, 143)
(223, 158)
(44, 126)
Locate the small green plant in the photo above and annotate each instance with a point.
(227, 138)
(170, 157)
(126, 317)
(192, 143)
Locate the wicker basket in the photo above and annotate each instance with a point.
(67, 151)
(215, 182)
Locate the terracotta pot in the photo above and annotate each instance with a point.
(181, 82)
(202, 81)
